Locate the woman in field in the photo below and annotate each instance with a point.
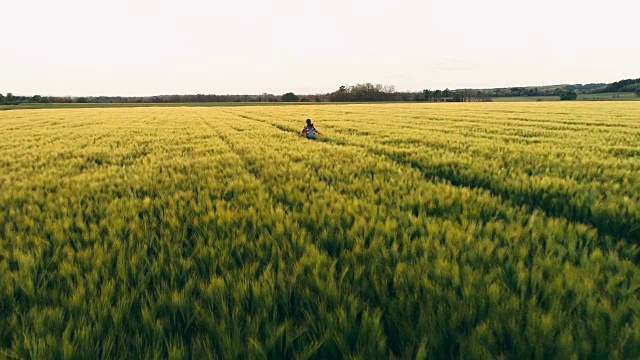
(310, 131)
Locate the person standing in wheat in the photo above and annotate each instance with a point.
(310, 131)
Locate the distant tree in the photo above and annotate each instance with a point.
(446, 93)
(369, 92)
(483, 96)
(437, 95)
(428, 94)
(533, 92)
(569, 95)
(366, 92)
(9, 98)
(637, 92)
(622, 85)
(389, 89)
(265, 97)
(290, 97)
(341, 94)
(1, 98)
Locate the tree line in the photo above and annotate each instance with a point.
(365, 92)
(628, 85)
(11, 99)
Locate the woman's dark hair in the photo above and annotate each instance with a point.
(309, 122)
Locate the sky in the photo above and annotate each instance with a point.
(153, 47)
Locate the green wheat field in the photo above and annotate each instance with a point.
(410, 231)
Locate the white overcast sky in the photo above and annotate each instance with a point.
(149, 47)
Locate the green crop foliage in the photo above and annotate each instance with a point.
(408, 231)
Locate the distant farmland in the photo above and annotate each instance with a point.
(469, 230)
(585, 97)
